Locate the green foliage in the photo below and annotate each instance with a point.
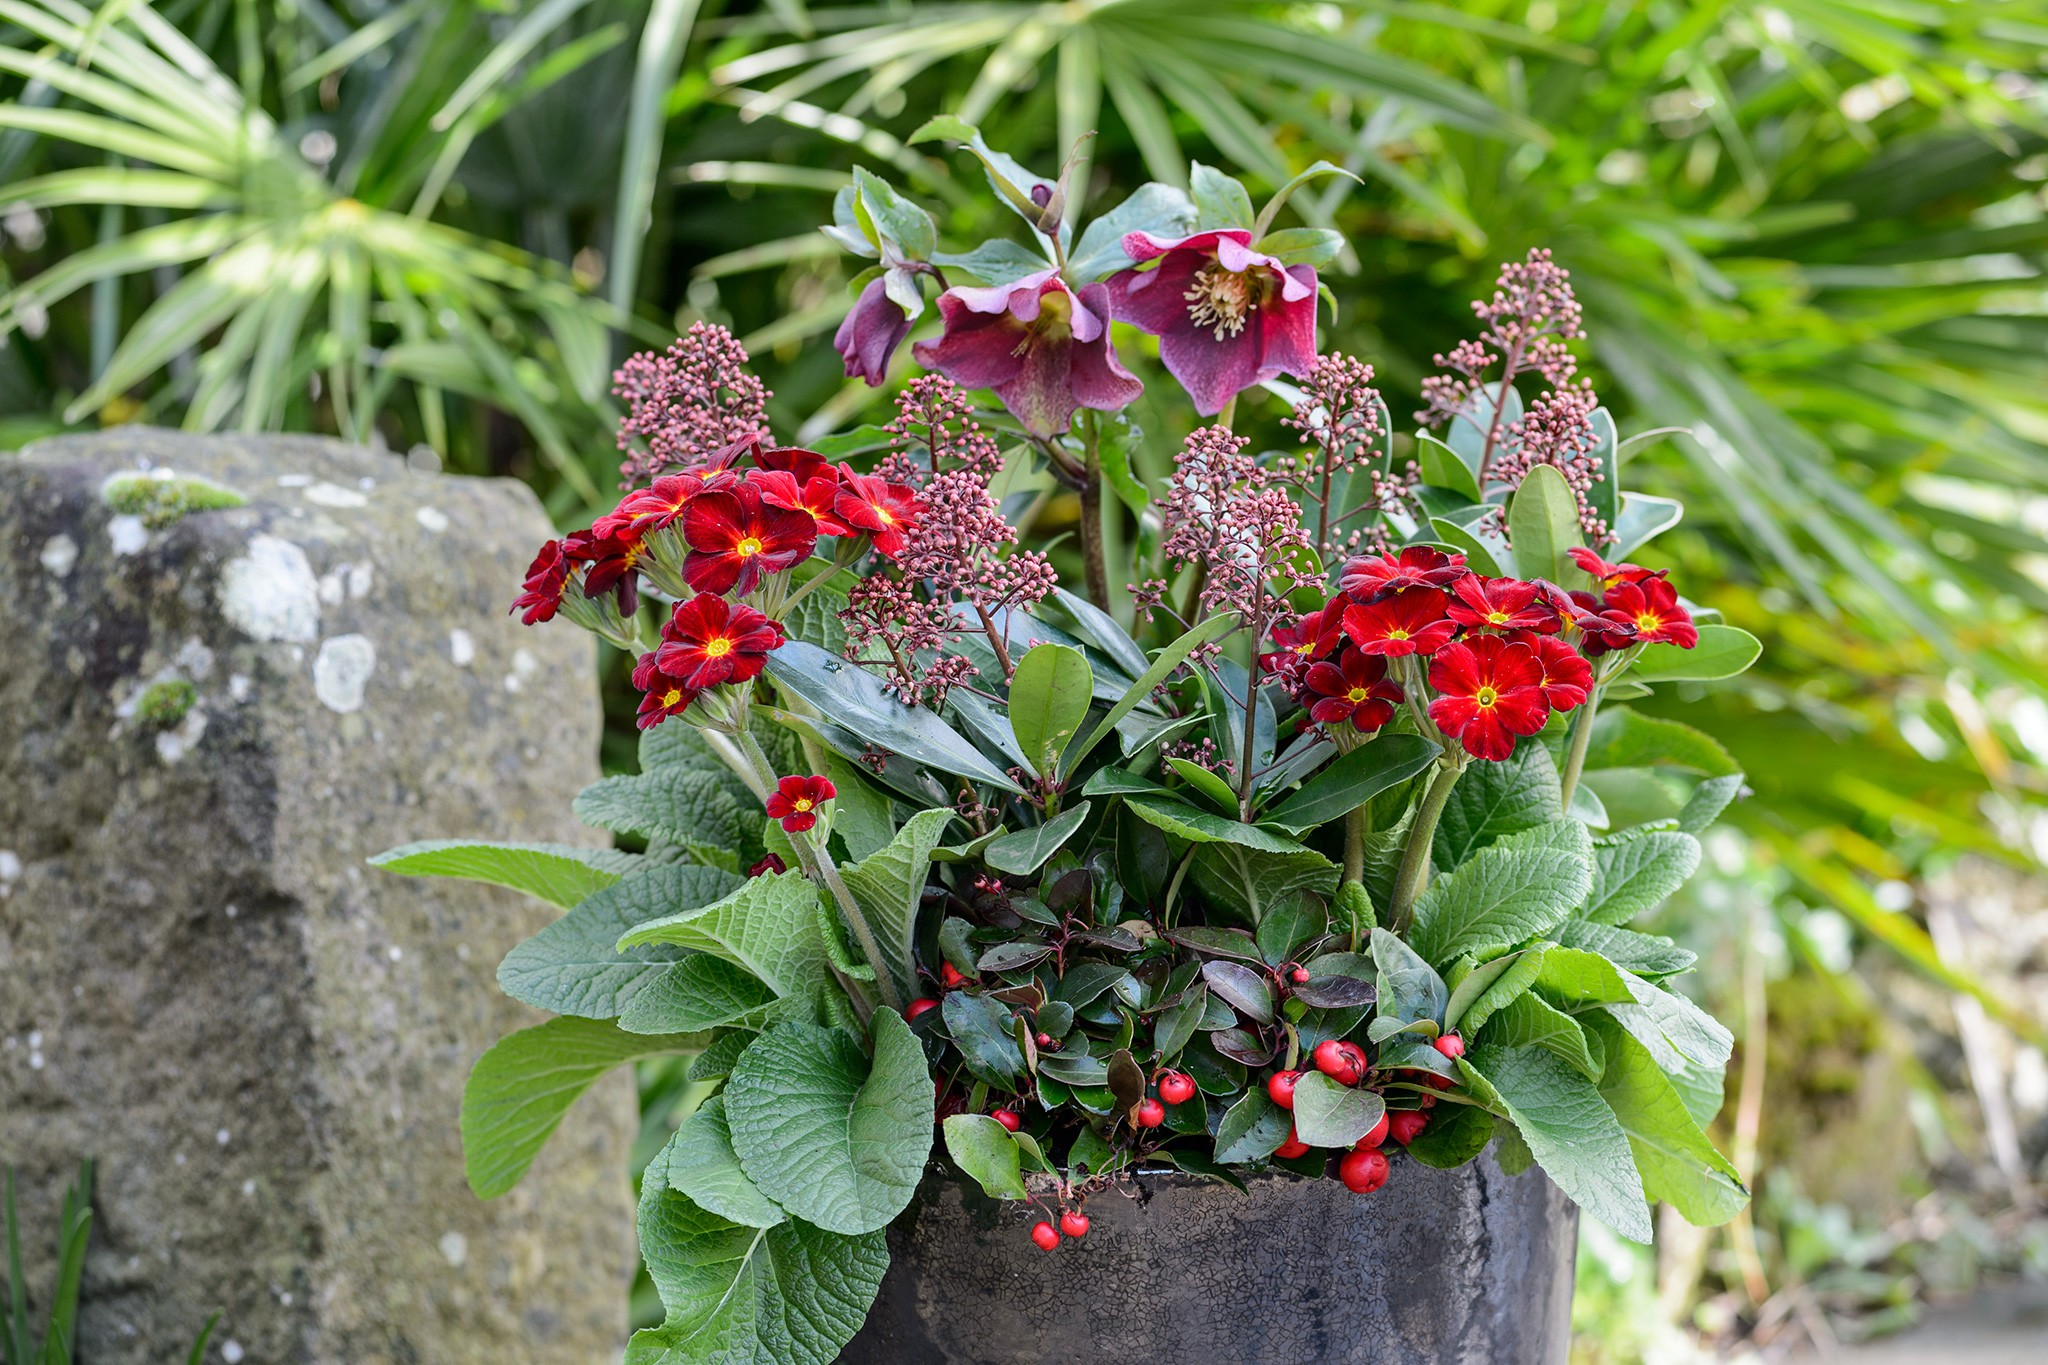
(559, 874)
(163, 704)
(161, 501)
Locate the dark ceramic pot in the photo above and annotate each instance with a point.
(1468, 1266)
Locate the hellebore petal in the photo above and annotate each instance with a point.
(871, 333)
(1043, 348)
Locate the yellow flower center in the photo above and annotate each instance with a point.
(1486, 696)
(1397, 634)
(1647, 622)
(750, 546)
(1497, 618)
(803, 803)
(672, 696)
(1357, 694)
(1219, 299)
(884, 514)
(718, 648)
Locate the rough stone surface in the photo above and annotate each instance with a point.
(261, 1040)
(1464, 1267)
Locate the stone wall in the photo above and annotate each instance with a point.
(210, 715)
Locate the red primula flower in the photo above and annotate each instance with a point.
(804, 464)
(882, 509)
(666, 695)
(1578, 613)
(1567, 677)
(736, 539)
(541, 594)
(815, 496)
(1651, 606)
(772, 863)
(1419, 566)
(1488, 691)
(795, 801)
(1607, 575)
(1355, 688)
(613, 560)
(708, 640)
(1411, 623)
(1308, 639)
(646, 510)
(1500, 604)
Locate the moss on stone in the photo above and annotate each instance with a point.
(164, 704)
(160, 501)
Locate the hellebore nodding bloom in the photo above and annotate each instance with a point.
(795, 801)
(871, 333)
(1418, 566)
(1355, 688)
(1412, 623)
(708, 641)
(736, 539)
(666, 695)
(1043, 347)
(541, 594)
(886, 511)
(1227, 317)
(1488, 691)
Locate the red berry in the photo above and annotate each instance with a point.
(1149, 1114)
(1376, 1137)
(1363, 1172)
(1047, 1043)
(1176, 1087)
(1008, 1118)
(1074, 1224)
(918, 1007)
(1441, 1082)
(949, 975)
(1407, 1125)
(1343, 1063)
(1280, 1088)
(1293, 1147)
(1427, 1101)
(1046, 1235)
(1299, 976)
(1451, 1045)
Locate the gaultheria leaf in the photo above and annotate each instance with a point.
(1677, 1162)
(682, 805)
(887, 885)
(1251, 1130)
(1252, 881)
(837, 1140)
(1049, 695)
(1353, 780)
(699, 992)
(1495, 799)
(851, 697)
(1489, 986)
(1625, 738)
(1722, 652)
(1327, 1114)
(1024, 852)
(769, 926)
(1243, 989)
(1521, 886)
(786, 1295)
(561, 874)
(985, 1150)
(699, 1162)
(1575, 1136)
(520, 1089)
(980, 1027)
(575, 966)
(1643, 954)
(1526, 1021)
(1201, 827)
(1688, 1044)
(1410, 988)
(1167, 660)
(1634, 872)
(1543, 522)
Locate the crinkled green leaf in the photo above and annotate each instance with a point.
(1634, 872)
(1491, 800)
(768, 925)
(888, 886)
(1512, 890)
(1574, 1135)
(699, 1162)
(561, 874)
(575, 966)
(683, 805)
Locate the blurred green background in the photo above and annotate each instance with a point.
(1811, 234)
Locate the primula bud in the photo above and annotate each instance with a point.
(1280, 1088)
(1363, 1172)
(1008, 1118)
(1046, 1235)
(1074, 1223)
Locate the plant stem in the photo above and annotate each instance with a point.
(1173, 886)
(819, 867)
(1575, 757)
(1415, 858)
(1354, 845)
(1092, 559)
(1245, 756)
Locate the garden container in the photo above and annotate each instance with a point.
(1468, 1265)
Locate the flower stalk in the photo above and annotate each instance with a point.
(1414, 874)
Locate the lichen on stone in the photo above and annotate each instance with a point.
(163, 704)
(160, 498)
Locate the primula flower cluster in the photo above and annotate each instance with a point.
(1494, 657)
(716, 535)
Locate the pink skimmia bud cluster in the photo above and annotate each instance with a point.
(1492, 657)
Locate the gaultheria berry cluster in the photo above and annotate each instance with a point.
(683, 406)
